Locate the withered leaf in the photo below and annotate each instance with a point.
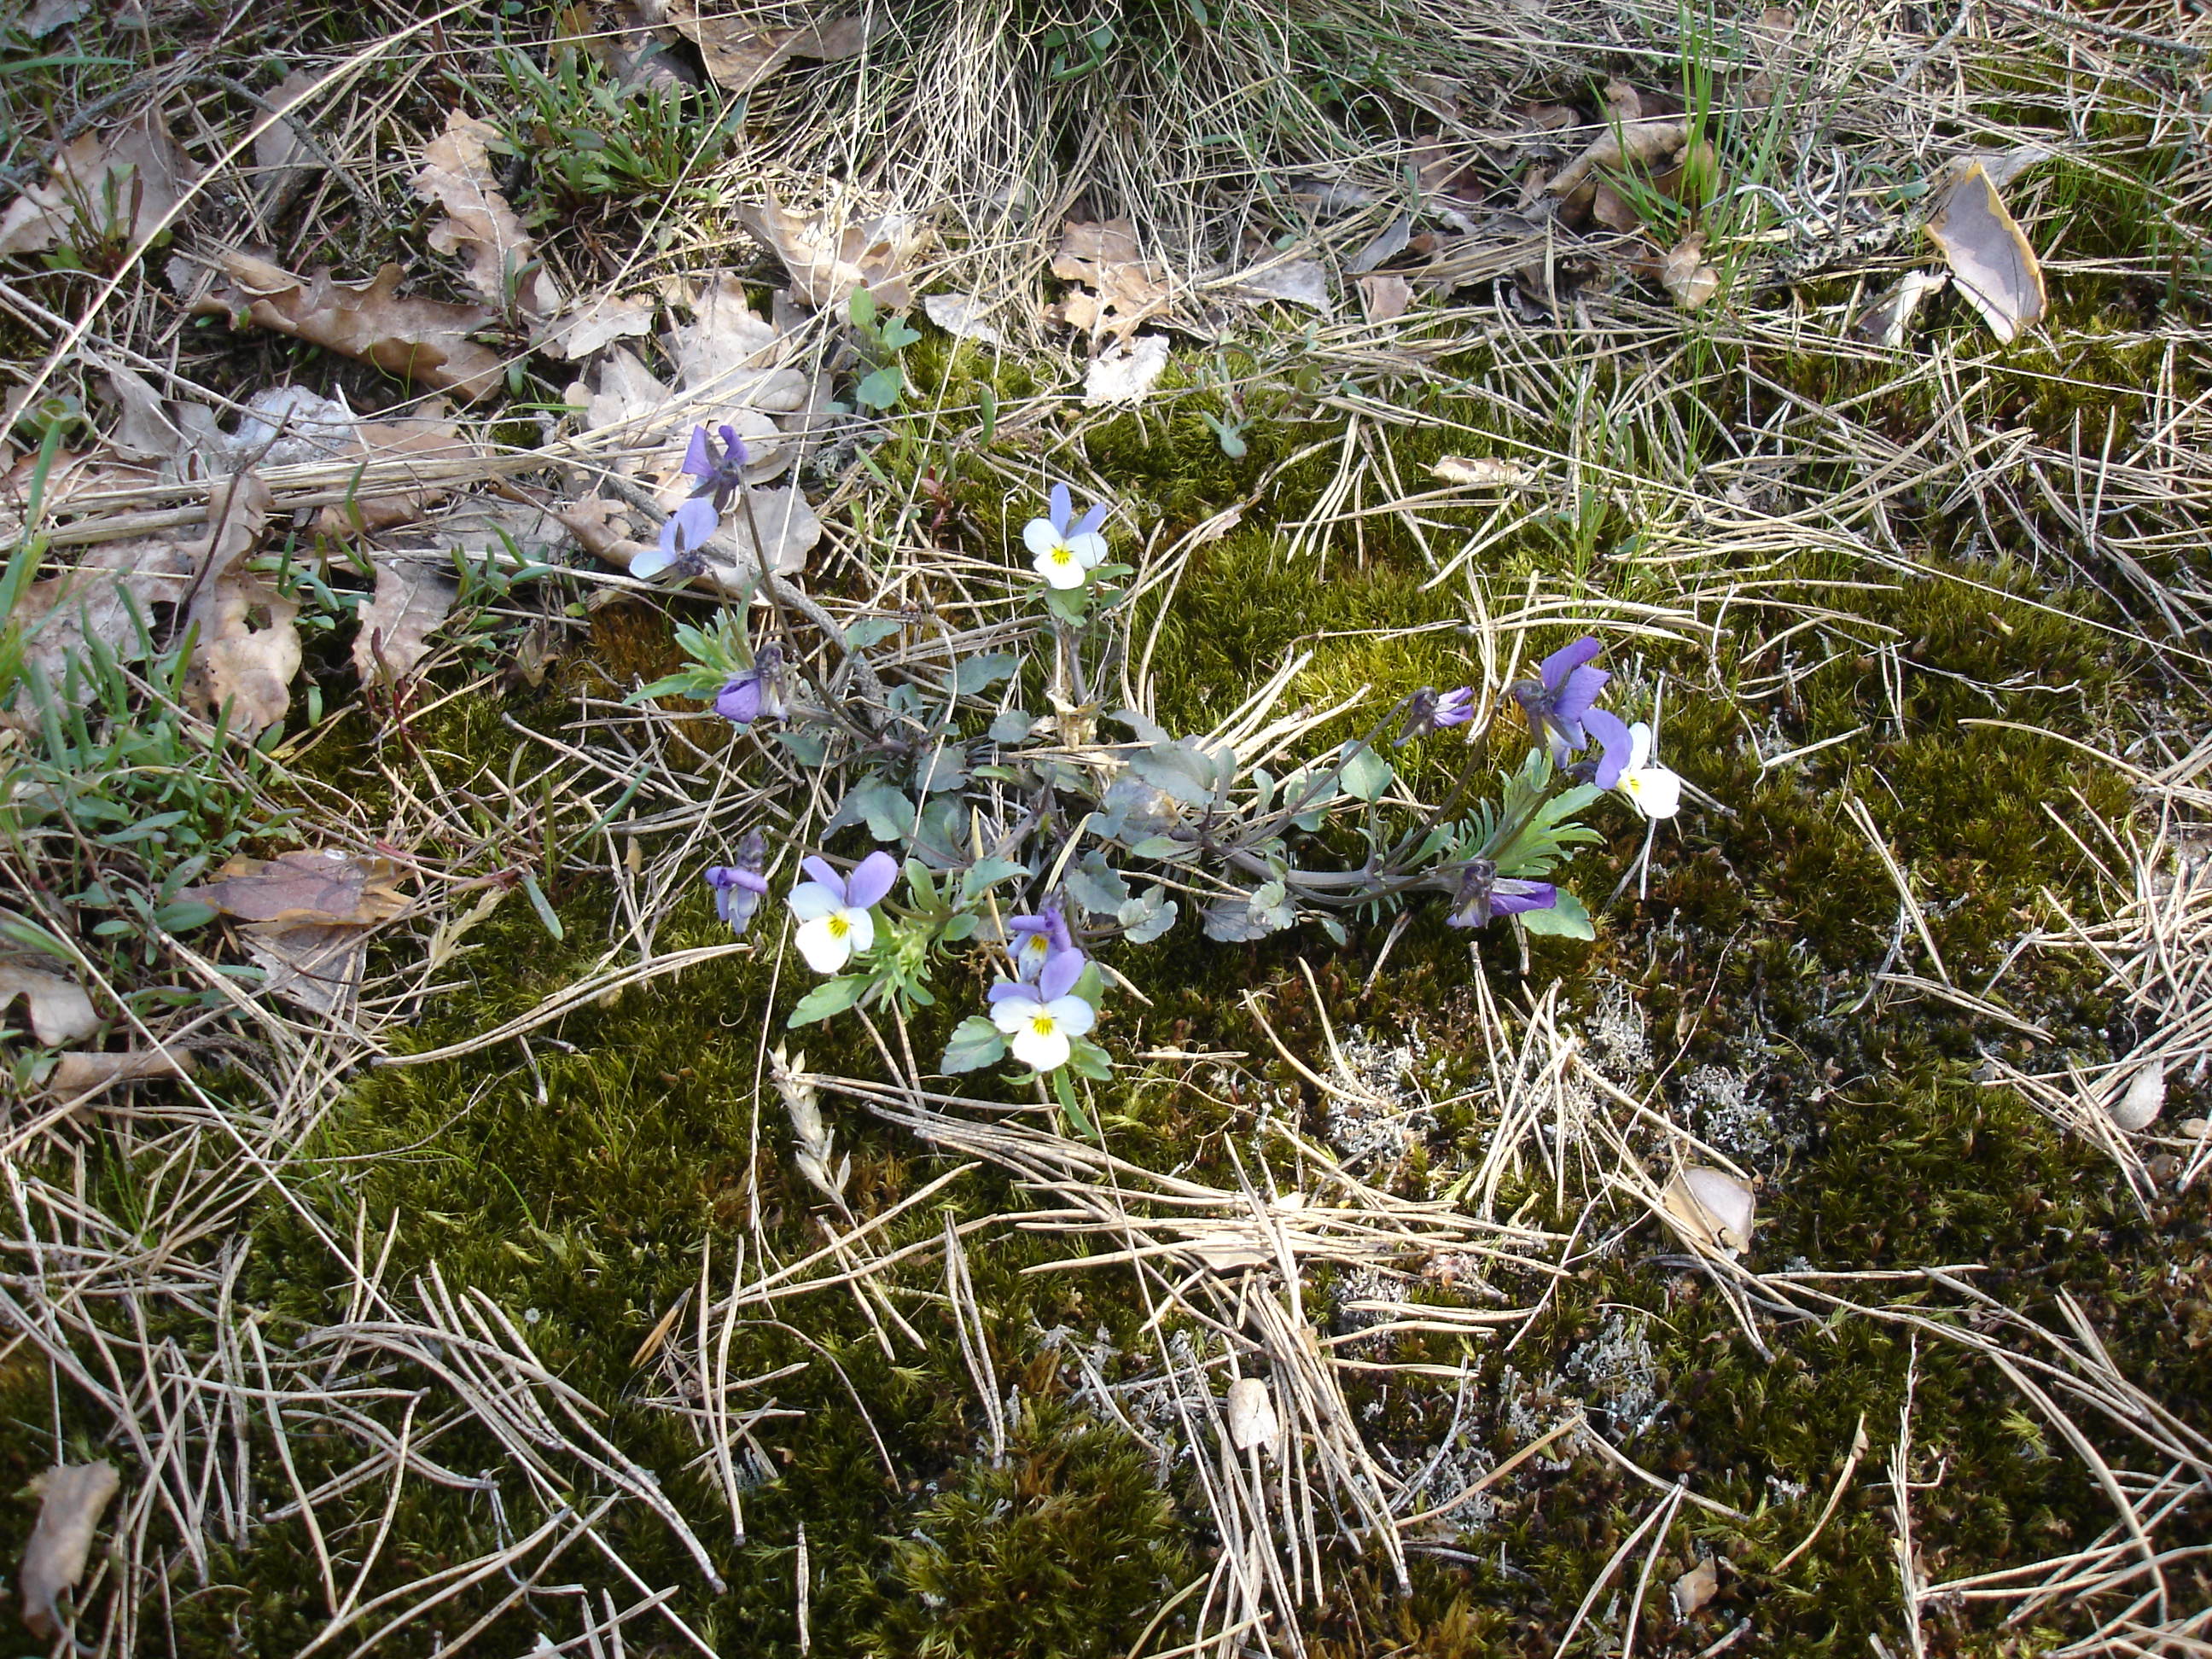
(425, 340)
(423, 438)
(1482, 473)
(1887, 320)
(739, 54)
(326, 886)
(71, 1499)
(1995, 268)
(119, 185)
(1631, 143)
(246, 649)
(1125, 372)
(582, 330)
(60, 1011)
(963, 316)
(110, 591)
(412, 597)
(78, 1076)
(1296, 282)
(315, 965)
(830, 256)
(480, 227)
(1385, 296)
(1103, 256)
(1685, 273)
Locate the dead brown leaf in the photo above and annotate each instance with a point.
(246, 649)
(315, 887)
(422, 438)
(60, 1011)
(1634, 143)
(1482, 473)
(585, 329)
(1887, 321)
(412, 597)
(113, 587)
(284, 158)
(317, 966)
(425, 340)
(829, 256)
(1105, 256)
(1385, 296)
(1685, 276)
(1995, 267)
(117, 185)
(739, 54)
(71, 1499)
(77, 1076)
(480, 227)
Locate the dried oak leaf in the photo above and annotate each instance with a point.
(412, 596)
(1995, 267)
(321, 887)
(1632, 143)
(480, 227)
(78, 1077)
(122, 183)
(71, 1499)
(246, 649)
(60, 1011)
(425, 340)
(829, 256)
(1125, 372)
(585, 329)
(423, 439)
(317, 966)
(1685, 276)
(111, 589)
(1385, 296)
(739, 54)
(1103, 256)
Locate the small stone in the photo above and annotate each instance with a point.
(2145, 1099)
(1711, 1208)
(2196, 1128)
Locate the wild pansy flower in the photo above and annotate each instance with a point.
(1427, 712)
(720, 474)
(1654, 789)
(1068, 548)
(755, 694)
(834, 911)
(738, 887)
(1484, 894)
(1561, 715)
(1037, 938)
(1040, 1019)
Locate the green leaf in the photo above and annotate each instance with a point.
(1366, 774)
(540, 904)
(805, 747)
(830, 998)
(975, 1043)
(1567, 918)
(862, 307)
(183, 915)
(1087, 1057)
(1097, 885)
(881, 389)
(898, 334)
(987, 873)
(1068, 603)
(1064, 1088)
(1166, 848)
(1180, 769)
(871, 630)
(1012, 725)
(975, 674)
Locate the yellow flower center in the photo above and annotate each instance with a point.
(1042, 1024)
(839, 926)
(1062, 555)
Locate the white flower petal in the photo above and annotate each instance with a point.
(1060, 568)
(1654, 789)
(1041, 1043)
(825, 944)
(1039, 536)
(1639, 747)
(863, 925)
(1072, 1014)
(811, 900)
(1011, 1014)
(1090, 548)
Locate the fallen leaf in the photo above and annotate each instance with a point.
(1385, 296)
(1126, 371)
(583, 330)
(392, 637)
(1634, 143)
(317, 966)
(284, 159)
(1482, 473)
(71, 1499)
(1251, 1414)
(60, 1011)
(728, 351)
(423, 439)
(480, 227)
(425, 340)
(1995, 268)
(119, 185)
(961, 315)
(1388, 245)
(1685, 276)
(1710, 1208)
(1296, 282)
(1887, 320)
(47, 15)
(105, 596)
(739, 54)
(246, 649)
(829, 256)
(77, 1077)
(318, 887)
(1103, 256)
(1695, 1587)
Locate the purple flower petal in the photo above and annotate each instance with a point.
(824, 873)
(1568, 658)
(1571, 701)
(740, 700)
(734, 455)
(1092, 518)
(1027, 925)
(1007, 988)
(1062, 509)
(1614, 743)
(875, 876)
(1509, 897)
(1061, 970)
(699, 458)
(1455, 708)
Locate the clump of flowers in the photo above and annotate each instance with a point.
(720, 473)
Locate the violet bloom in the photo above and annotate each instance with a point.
(1427, 712)
(755, 694)
(1484, 894)
(1037, 938)
(1561, 715)
(1040, 1019)
(834, 911)
(721, 474)
(738, 887)
(683, 535)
